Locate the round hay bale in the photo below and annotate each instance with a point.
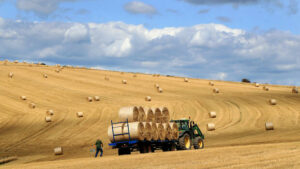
(186, 80)
(79, 114)
(106, 78)
(168, 130)
(11, 74)
(256, 84)
(136, 130)
(57, 70)
(142, 114)
(149, 114)
(269, 126)
(265, 88)
(130, 113)
(216, 90)
(175, 131)
(147, 131)
(23, 97)
(272, 101)
(157, 115)
(154, 131)
(118, 129)
(96, 98)
(124, 81)
(89, 99)
(32, 105)
(58, 151)
(156, 85)
(295, 90)
(160, 90)
(161, 132)
(48, 119)
(165, 114)
(148, 98)
(210, 126)
(212, 114)
(211, 83)
(50, 112)
(45, 76)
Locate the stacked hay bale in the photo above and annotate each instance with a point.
(295, 90)
(144, 124)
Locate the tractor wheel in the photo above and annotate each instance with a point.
(185, 142)
(143, 148)
(198, 143)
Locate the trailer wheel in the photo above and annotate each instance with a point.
(185, 142)
(172, 147)
(198, 143)
(165, 147)
(123, 151)
(143, 148)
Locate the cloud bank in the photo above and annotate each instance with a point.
(210, 51)
(137, 7)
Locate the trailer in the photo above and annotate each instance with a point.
(126, 147)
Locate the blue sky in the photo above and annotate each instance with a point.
(212, 39)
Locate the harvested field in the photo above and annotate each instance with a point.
(239, 141)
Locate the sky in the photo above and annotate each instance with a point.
(208, 39)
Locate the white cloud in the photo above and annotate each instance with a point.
(137, 7)
(205, 51)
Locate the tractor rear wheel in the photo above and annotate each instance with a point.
(185, 142)
(198, 143)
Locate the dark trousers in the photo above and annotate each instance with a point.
(97, 151)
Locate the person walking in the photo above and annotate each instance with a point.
(99, 146)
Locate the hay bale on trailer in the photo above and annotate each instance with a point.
(216, 90)
(147, 131)
(168, 131)
(212, 114)
(48, 119)
(32, 105)
(269, 126)
(50, 112)
(124, 81)
(165, 114)
(186, 80)
(161, 132)
(136, 130)
(154, 131)
(23, 97)
(160, 90)
(211, 83)
(142, 114)
(295, 90)
(89, 99)
(210, 126)
(79, 114)
(130, 113)
(157, 115)
(58, 151)
(118, 129)
(96, 98)
(149, 114)
(148, 98)
(11, 74)
(175, 131)
(272, 102)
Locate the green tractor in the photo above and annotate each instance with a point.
(189, 134)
